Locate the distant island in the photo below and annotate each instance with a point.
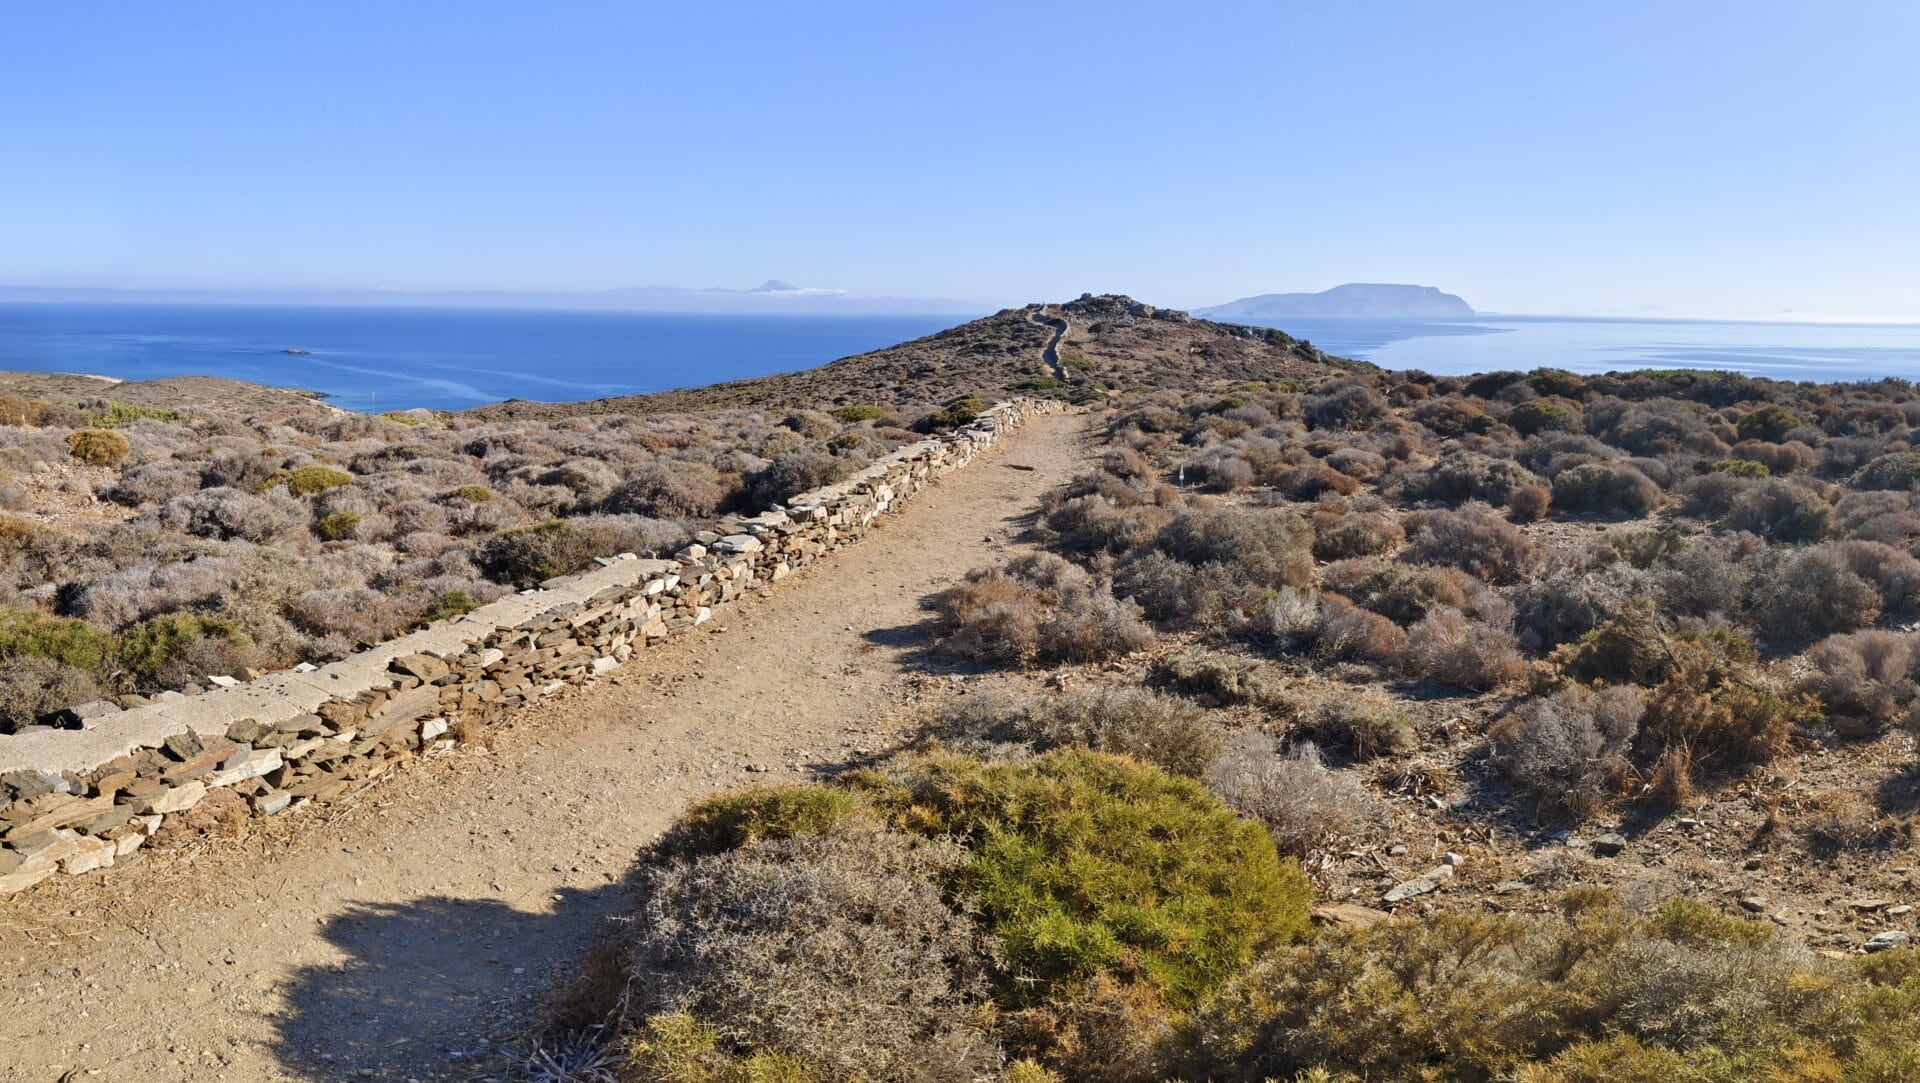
(1352, 299)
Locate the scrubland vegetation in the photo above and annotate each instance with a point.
(1303, 639)
(146, 548)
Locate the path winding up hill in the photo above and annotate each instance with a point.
(403, 935)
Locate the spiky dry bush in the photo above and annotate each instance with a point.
(1037, 609)
(1887, 517)
(668, 490)
(1167, 731)
(1305, 806)
(1213, 567)
(797, 471)
(1898, 470)
(1403, 592)
(1464, 476)
(1450, 647)
(32, 687)
(1344, 405)
(1094, 524)
(1571, 749)
(226, 513)
(1780, 511)
(1611, 488)
(1358, 528)
(1222, 679)
(1581, 996)
(1868, 674)
(1473, 538)
(1810, 593)
(835, 948)
(1575, 596)
(1894, 573)
(1364, 724)
(1327, 626)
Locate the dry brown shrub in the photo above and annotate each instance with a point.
(1111, 1031)
(1344, 531)
(1305, 806)
(1870, 674)
(1363, 723)
(1449, 647)
(1473, 538)
(1530, 503)
(1038, 609)
(1167, 731)
(1226, 680)
(1841, 822)
(836, 948)
(1572, 748)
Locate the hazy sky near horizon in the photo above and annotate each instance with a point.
(1710, 158)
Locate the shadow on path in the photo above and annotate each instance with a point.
(455, 970)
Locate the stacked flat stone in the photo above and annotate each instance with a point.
(73, 800)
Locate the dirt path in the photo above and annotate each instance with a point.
(400, 937)
(1051, 354)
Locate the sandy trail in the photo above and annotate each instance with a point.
(400, 936)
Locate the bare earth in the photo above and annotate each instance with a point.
(401, 935)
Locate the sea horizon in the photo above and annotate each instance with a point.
(386, 357)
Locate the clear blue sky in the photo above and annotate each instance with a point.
(1707, 157)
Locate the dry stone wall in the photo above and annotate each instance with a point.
(74, 800)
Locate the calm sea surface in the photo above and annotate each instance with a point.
(388, 358)
(448, 359)
(1783, 351)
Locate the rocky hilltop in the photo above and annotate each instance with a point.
(1352, 299)
(1109, 342)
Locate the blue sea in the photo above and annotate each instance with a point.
(1782, 351)
(394, 358)
(370, 358)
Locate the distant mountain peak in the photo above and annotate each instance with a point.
(1351, 299)
(774, 285)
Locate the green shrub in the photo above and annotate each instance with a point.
(311, 480)
(30, 633)
(1589, 995)
(339, 526)
(147, 647)
(474, 494)
(956, 413)
(98, 447)
(531, 555)
(112, 415)
(1082, 863)
(16, 411)
(853, 415)
(449, 605)
(678, 1048)
(1898, 470)
(1742, 468)
(1769, 423)
(1539, 416)
(732, 820)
